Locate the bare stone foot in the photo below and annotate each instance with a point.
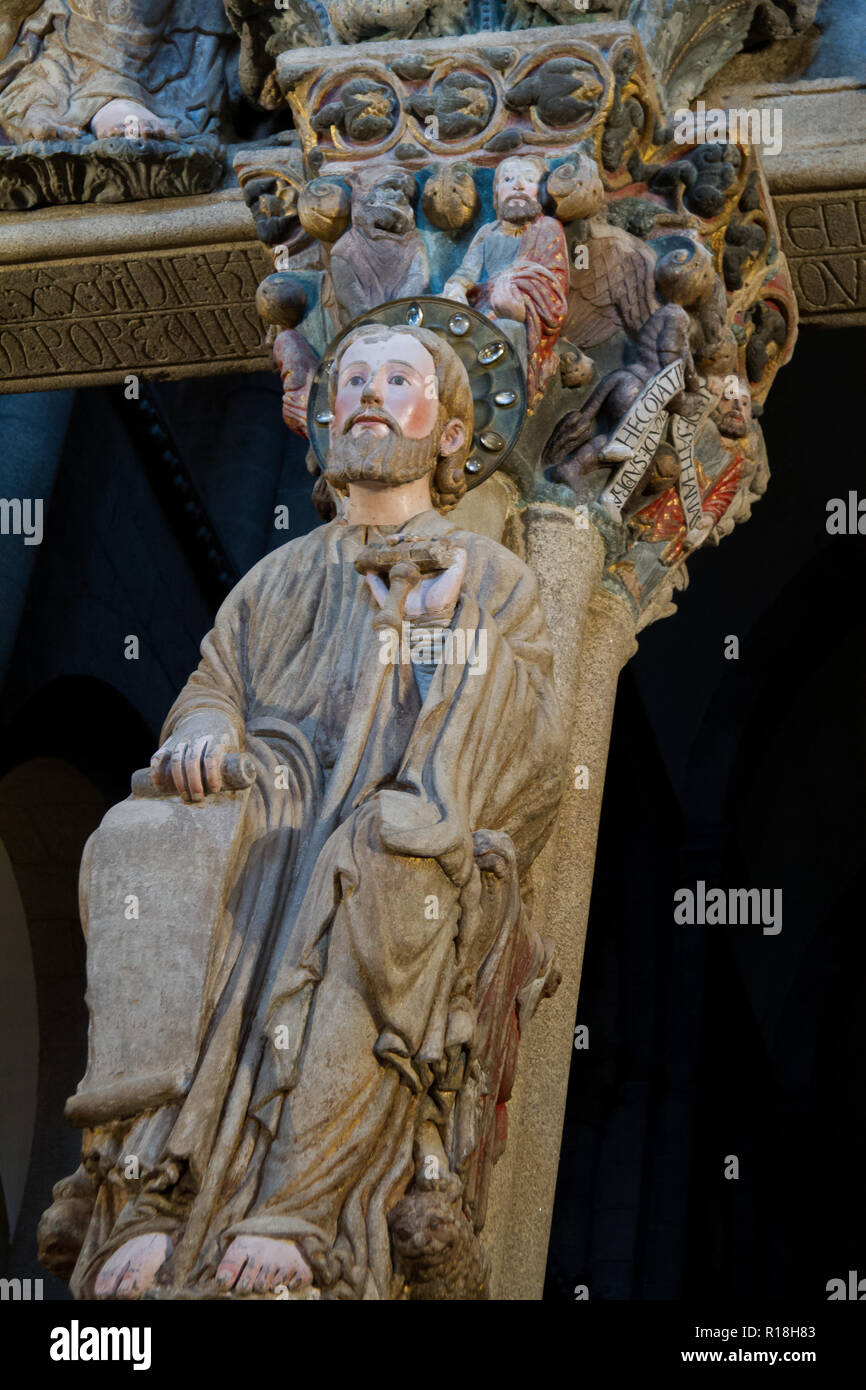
(133, 1268)
(258, 1264)
(43, 124)
(130, 118)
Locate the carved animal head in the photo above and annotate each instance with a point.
(385, 207)
(428, 1227)
(272, 198)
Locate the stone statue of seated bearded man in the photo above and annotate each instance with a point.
(375, 925)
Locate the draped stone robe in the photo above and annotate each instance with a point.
(339, 1001)
(74, 56)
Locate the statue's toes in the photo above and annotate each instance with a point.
(128, 1286)
(247, 1280)
(156, 130)
(110, 1277)
(266, 1278)
(47, 129)
(229, 1269)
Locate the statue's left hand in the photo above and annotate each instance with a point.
(435, 597)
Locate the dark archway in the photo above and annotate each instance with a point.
(68, 756)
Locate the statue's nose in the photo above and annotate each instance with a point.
(372, 393)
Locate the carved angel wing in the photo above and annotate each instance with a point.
(616, 289)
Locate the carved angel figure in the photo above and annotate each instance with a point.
(611, 286)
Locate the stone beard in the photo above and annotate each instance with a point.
(519, 210)
(391, 459)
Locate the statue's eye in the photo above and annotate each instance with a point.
(397, 380)
(355, 380)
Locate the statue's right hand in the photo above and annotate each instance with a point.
(191, 765)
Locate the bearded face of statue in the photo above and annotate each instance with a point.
(388, 424)
(517, 186)
(733, 414)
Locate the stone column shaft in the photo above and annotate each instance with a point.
(590, 655)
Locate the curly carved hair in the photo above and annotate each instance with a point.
(448, 482)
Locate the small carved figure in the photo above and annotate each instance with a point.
(769, 335)
(626, 114)
(382, 256)
(744, 243)
(612, 287)
(516, 270)
(325, 208)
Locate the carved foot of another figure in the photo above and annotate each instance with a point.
(63, 1227)
(259, 1264)
(132, 1269)
(44, 124)
(130, 118)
